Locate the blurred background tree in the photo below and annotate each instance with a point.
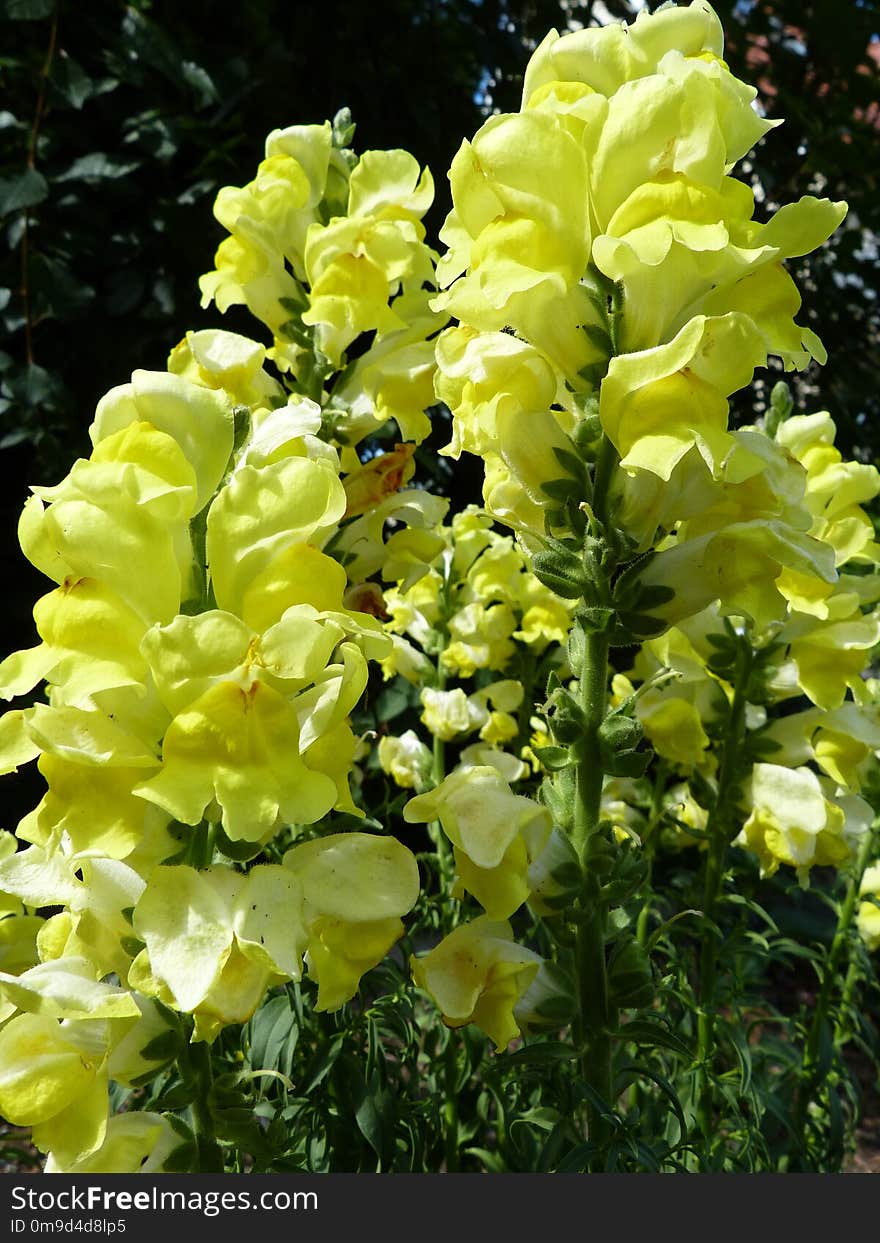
(121, 121)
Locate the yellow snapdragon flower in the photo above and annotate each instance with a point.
(477, 974)
(495, 835)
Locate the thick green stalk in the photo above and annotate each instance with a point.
(200, 850)
(606, 464)
(596, 1020)
(718, 831)
(198, 1073)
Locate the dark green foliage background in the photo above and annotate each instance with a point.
(119, 122)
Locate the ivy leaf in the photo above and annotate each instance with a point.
(25, 190)
(71, 82)
(96, 167)
(200, 81)
(26, 10)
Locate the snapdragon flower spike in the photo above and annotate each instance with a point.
(835, 489)
(202, 656)
(492, 605)
(138, 690)
(325, 247)
(598, 245)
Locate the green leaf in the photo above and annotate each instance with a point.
(322, 1063)
(201, 83)
(652, 597)
(97, 166)
(743, 1055)
(630, 978)
(593, 373)
(273, 1033)
(71, 81)
(643, 626)
(577, 1160)
(295, 305)
(147, 42)
(599, 337)
(371, 1115)
(544, 1053)
(544, 1118)
(552, 1147)
(241, 851)
(554, 758)
(17, 437)
(25, 190)
(493, 1161)
(567, 489)
(26, 10)
(628, 763)
(561, 570)
(394, 700)
(176, 1097)
(569, 462)
(182, 1160)
(597, 619)
(162, 1048)
(758, 746)
(654, 1035)
(631, 1073)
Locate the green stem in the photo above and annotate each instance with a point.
(596, 1017)
(450, 1104)
(589, 772)
(810, 1066)
(200, 852)
(853, 972)
(655, 816)
(649, 842)
(718, 831)
(606, 464)
(198, 1073)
